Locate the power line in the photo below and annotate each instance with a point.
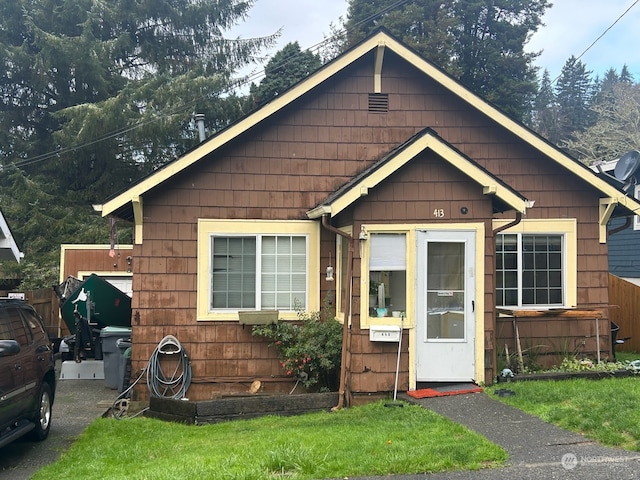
(598, 39)
(248, 80)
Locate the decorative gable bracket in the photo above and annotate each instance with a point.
(606, 207)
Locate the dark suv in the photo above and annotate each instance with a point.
(27, 373)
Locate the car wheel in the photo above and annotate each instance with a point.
(42, 416)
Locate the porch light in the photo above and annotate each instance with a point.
(329, 274)
(363, 234)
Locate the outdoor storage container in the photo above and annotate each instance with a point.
(114, 360)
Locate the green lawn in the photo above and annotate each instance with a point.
(605, 410)
(366, 440)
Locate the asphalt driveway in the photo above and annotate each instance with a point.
(77, 404)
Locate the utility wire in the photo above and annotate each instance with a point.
(600, 37)
(247, 81)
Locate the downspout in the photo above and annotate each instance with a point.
(517, 220)
(516, 334)
(347, 313)
(627, 223)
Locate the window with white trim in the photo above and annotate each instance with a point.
(261, 272)
(530, 270)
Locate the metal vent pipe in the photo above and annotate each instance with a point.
(200, 122)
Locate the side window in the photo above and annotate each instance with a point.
(529, 270)
(387, 274)
(5, 331)
(34, 325)
(20, 333)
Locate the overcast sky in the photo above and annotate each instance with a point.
(571, 26)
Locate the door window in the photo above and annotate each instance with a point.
(445, 290)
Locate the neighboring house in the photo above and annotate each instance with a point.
(386, 169)
(8, 248)
(624, 244)
(80, 261)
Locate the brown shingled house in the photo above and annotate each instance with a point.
(387, 169)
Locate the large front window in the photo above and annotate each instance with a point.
(530, 270)
(257, 265)
(262, 272)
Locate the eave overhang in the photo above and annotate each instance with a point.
(121, 204)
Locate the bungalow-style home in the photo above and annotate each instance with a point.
(409, 186)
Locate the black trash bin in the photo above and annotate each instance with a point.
(615, 328)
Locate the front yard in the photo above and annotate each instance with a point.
(366, 440)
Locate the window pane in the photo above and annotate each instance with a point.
(511, 297)
(555, 261)
(540, 272)
(446, 266)
(233, 275)
(284, 271)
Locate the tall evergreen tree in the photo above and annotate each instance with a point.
(287, 67)
(94, 94)
(480, 42)
(545, 114)
(127, 74)
(574, 95)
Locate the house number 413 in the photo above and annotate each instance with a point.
(438, 212)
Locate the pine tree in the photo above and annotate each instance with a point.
(113, 86)
(287, 67)
(545, 115)
(574, 96)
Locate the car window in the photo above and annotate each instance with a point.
(5, 333)
(20, 333)
(33, 323)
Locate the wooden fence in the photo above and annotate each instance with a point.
(46, 304)
(624, 310)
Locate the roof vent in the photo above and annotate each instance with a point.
(378, 102)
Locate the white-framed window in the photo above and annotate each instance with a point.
(257, 265)
(529, 270)
(537, 264)
(259, 272)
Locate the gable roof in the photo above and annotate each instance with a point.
(503, 196)
(8, 248)
(127, 204)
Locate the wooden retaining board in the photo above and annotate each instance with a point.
(233, 408)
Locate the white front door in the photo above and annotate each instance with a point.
(445, 309)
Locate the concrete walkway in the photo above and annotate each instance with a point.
(537, 450)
